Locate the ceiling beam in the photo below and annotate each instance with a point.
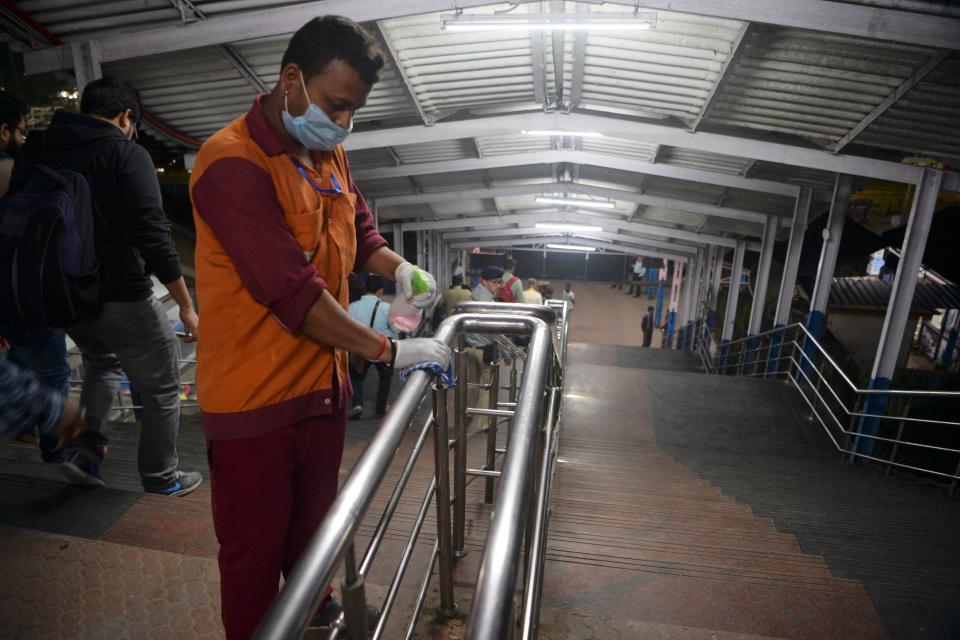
(629, 249)
(863, 21)
(539, 71)
(579, 66)
(586, 158)
(579, 217)
(651, 133)
(890, 100)
(603, 235)
(736, 48)
(570, 188)
(248, 25)
(391, 53)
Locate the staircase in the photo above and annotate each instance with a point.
(689, 505)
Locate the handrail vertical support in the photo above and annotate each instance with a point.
(448, 607)
(353, 589)
(460, 451)
(491, 458)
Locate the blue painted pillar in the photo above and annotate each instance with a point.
(773, 353)
(651, 278)
(832, 236)
(671, 327)
(658, 309)
(901, 299)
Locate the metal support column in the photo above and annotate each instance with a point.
(715, 286)
(733, 296)
(798, 229)
(898, 309)
(398, 239)
(687, 286)
(420, 257)
(832, 236)
(86, 63)
(678, 271)
(760, 287)
(652, 276)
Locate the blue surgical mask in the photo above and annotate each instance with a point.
(314, 129)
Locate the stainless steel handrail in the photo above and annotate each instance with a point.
(332, 543)
(806, 368)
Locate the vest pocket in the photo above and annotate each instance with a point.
(306, 229)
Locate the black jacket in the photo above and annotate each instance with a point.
(125, 191)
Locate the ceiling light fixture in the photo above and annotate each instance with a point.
(571, 247)
(559, 226)
(558, 132)
(577, 202)
(552, 22)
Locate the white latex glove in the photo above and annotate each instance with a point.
(419, 350)
(404, 276)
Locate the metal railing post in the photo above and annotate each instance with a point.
(354, 597)
(448, 607)
(460, 450)
(896, 445)
(491, 457)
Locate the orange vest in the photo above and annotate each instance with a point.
(246, 360)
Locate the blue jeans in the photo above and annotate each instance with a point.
(43, 351)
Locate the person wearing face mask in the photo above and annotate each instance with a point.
(131, 330)
(280, 226)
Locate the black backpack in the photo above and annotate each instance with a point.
(49, 273)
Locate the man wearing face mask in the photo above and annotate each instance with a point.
(131, 330)
(280, 225)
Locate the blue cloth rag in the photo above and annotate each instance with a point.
(445, 375)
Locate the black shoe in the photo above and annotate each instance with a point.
(331, 611)
(184, 482)
(356, 413)
(79, 469)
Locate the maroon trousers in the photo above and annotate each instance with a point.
(270, 494)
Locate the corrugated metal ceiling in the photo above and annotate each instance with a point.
(786, 83)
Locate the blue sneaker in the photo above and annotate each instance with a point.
(80, 470)
(184, 482)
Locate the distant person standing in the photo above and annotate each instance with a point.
(569, 296)
(512, 289)
(532, 294)
(637, 275)
(372, 311)
(647, 326)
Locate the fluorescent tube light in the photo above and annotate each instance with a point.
(552, 22)
(559, 226)
(577, 202)
(558, 132)
(571, 247)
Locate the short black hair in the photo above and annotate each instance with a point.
(649, 308)
(457, 280)
(509, 264)
(12, 110)
(329, 38)
(374, 283)
(109, 97)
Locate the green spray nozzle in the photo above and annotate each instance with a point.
(418, 283)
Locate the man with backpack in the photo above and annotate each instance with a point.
(130, 330)
(512, 289)
(40, 349)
